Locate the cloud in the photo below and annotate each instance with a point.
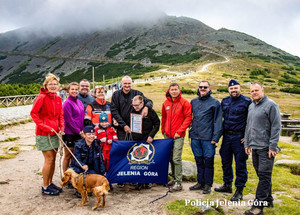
(273, 21)
(76, 15)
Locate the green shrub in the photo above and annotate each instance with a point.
(294, 89)
(269, 80)
(19, 89)
(2, 57)
(188, 91)
(222, 89)
(148, 84)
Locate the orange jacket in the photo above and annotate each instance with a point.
(94, 109)
(176, 116)
(47, 113)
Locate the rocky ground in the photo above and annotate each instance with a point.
(20, 187)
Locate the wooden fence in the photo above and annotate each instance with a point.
(9, 101)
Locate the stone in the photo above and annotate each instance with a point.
(189, 168)
(287, 162)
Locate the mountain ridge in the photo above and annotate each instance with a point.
(25, 54)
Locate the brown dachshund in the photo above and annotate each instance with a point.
(95, 183)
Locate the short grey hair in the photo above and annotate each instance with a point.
(126, 77)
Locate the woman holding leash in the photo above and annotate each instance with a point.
(74, 115)
(47, 114)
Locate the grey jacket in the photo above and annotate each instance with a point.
(263, 125)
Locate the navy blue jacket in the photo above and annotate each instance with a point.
(86, 100)
(84, 153)
(235, 112)
(207, 118)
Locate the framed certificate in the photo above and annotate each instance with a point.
(136, 123)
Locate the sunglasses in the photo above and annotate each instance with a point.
(203, 87)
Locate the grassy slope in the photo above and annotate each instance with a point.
(285, 185)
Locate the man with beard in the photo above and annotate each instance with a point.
(83, 95)
(235, 110)
(205, 134)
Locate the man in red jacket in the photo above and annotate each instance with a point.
(175, 119)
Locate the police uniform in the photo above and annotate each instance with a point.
(235, 112)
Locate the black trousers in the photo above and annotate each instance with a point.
(263, 166)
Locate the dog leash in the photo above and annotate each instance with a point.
(59, 151)
(67, 148)
(159, 198)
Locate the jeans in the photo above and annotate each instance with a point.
(176, 159)
(263, 166)
(204, 152)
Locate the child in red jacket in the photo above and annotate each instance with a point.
(106, 134)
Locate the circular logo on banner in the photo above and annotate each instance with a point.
(141, 154)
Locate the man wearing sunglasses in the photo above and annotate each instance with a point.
(235, 110)
(205, 133)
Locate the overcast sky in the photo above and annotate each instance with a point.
(276, 22)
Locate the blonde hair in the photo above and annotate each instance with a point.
(50, 77)
(72, 84)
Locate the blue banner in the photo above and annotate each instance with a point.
(139, 161)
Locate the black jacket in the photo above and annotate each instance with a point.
(150, 125)
(121, 108)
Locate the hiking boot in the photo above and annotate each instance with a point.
(111, 188)
(206, 189)
(69, 186)
(238, 195)
(148, 185)
(171, 183)
(49, 191)
(77, 194)
(225, 188)
(255, 211)
(177, 187)
(197, 187)
(54, 187)
(121, 185)
(270, 204)
(138, 186)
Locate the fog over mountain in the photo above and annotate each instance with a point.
(274, 21)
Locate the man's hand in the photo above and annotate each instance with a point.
(115, 122)
(149, 140)
(62, 133)
(127, 129)
(176, 136)
(272, 153)
(213, 142)
(109, 141)
(242, 141)
(145, 112)
(248, 150)
(103, 140)
(85, 167)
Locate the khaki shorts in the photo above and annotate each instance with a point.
(42, 142)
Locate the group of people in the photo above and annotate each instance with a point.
(247, 125)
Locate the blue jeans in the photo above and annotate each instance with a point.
(204, 153)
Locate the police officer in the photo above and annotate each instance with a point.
(235, 110)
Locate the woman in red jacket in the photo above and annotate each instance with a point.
(47, 114)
